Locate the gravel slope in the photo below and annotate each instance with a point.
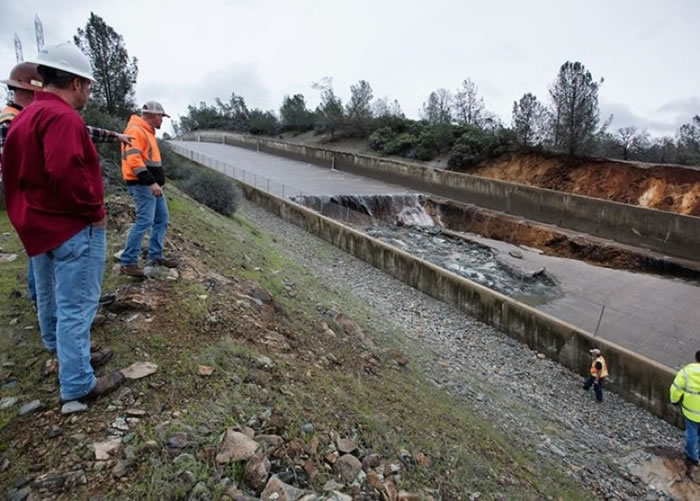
(537, 403)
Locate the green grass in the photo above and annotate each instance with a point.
(388, 409)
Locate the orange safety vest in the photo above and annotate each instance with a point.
(143, 152)
(8, 113)
(603, 371)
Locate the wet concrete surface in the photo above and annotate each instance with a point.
(657, 317)
(299, 178)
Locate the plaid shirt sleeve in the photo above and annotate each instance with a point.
(4, 128)
(102, 135)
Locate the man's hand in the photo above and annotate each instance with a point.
(124, 139)
(156, 190)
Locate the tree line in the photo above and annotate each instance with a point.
(458, 123)
(454, 122)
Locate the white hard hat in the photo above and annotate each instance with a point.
(65, 57)
(155, 108)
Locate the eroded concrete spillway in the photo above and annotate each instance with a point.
(649, 314)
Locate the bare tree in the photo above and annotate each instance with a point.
(469, 108)
(382, 107)
(438, 108)
(631, 140)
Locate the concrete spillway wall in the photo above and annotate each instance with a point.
(665, 232)
(636, 378)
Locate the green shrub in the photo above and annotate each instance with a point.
(214, 190)
(475, 145)
(177, 168)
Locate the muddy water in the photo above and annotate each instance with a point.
(469, 260)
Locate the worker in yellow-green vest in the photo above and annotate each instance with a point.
(685, 391)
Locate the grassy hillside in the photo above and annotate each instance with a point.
(290, 358)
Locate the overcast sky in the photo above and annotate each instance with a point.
(188, 52)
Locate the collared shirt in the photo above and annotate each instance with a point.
(96, 134)
(52, 178)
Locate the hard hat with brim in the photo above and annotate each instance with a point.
(595, 351)
(24, 76)
(155, 108)
(65, 57)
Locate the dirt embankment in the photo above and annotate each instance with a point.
(662, 187)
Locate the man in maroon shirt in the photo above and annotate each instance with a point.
(55, 201)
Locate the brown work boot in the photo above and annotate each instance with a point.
(131, 270)
(100, 358)
(105, 384)
(166, 262)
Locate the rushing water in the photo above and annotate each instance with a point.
(469, 260)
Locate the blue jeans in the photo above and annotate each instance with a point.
(692, 443)
(151, 213)
(68, 281)
(31, 283)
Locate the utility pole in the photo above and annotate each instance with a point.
(39, 30)
(18, 49)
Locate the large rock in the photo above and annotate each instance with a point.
(105, 450)
(348, 466)
(33, 406)
(276, 490)
(345, 445)
(131, 298)
(256, 472)
(236, 447)
(348, 325)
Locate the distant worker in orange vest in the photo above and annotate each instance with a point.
(599, 373)
(142, 169)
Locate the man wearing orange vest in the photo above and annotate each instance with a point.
(599, 373)
(142, 170)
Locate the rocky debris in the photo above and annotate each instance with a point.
(152, 446)
(121, 468)
(346, 446)
(8, 402)
(516, 254)
(273, 440)
(131, 298)
(33, 406)
(399, 358)
(348, 467)
(276, 490)
(502, 376)
(256, 472)
(6, 257)
(177, 440)
(105, 450)
(139, 370)
(236, 446)
(73, 407)
(348, 325)
(50, 367)
(205, 370)
(161, 273)
(20, 494)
